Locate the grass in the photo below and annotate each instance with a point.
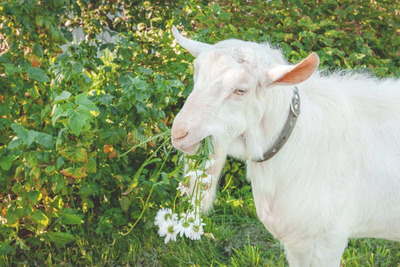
(234, 237)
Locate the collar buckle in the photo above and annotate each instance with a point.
(295, 104)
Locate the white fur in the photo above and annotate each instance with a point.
(338, 175)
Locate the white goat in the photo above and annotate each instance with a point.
(338, 174)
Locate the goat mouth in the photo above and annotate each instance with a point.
(189, 148)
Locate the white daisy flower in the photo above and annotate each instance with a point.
(207, 180)
(210, 163)
(198, 231)
(194, 174)
(184, 226)
(185, 190)
(163, 229)
(163, 215)
(171, 232)
(164, 219)
(190, 224)
(192, 217)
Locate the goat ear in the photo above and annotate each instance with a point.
(194, 47)
(289, 75)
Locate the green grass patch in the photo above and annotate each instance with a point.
(234, 237)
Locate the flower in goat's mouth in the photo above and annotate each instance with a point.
(189, 224)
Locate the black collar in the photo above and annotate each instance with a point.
(294, 112)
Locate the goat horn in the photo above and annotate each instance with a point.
(194, 47)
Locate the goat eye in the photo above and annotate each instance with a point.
(239, 92)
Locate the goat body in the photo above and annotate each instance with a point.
(337, 176)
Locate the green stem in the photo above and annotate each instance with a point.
(176, 197)
(149, 160)
(144, 142)
(151, 190)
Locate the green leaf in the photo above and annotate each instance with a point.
(31, 137)
(60, 162)
(45, 140)
(59, 183)
(20, 130)
(37, 50)
(38, 74)
(50, 169)
(35, 172)
(63, 96)
(89, 189)
(60, 136)
(12, 219)
(86, 79)
(146, 71)
(26, 136)
(138, 83)
(59, 238)
(15, 143)
(6, 162)
(112, 136)
(225, 16)
(78, 67)
(40, 218)
(125, 202)
(84, 102)
(78, 119)
(21, 243)
(176, 83)
(61, 57)
(17, 188)
(58, 112)
(5, 248)
(76, 173)
(33, 196)
(72, 219)
(91, 166)
(74, 154)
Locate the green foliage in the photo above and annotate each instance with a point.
(74, 158)
(67, 118)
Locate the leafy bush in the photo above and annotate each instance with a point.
(69, 119)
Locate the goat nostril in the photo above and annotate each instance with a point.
(180, 135)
